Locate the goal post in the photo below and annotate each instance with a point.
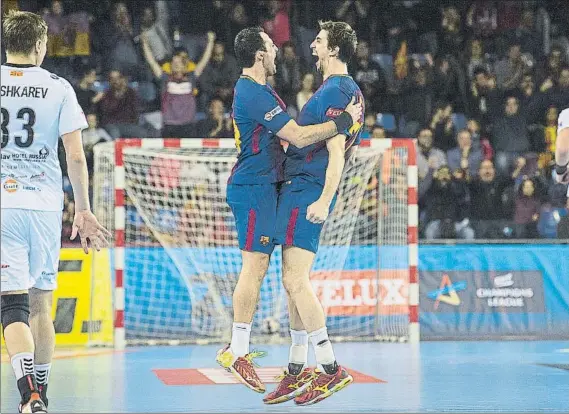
(176, 259)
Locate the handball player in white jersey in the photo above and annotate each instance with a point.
(562, 148)
(37, 108)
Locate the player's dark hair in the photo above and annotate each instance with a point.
(341, 35)
(247, 43)
(21, 31)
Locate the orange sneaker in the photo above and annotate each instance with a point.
(34, 405)
(323, 386)
(243, 368)
(290, 386)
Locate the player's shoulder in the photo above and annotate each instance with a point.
(57, 80)
(563, 120)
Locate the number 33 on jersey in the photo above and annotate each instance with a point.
(37, 108)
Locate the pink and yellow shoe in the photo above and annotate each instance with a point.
(323, 386)
(243, 368)
(290, 386)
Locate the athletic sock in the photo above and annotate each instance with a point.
(240, 337)
(42, 373)
(324, 353)
(23, 366)
(298, 355)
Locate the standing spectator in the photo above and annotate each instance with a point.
(484, 97)
(526, 212)
(464, 157)
(355, 13)
(443, 126)
(476, 58)
(551, 67)
(473, 127)
(370, 78)
(118, 109)
(428, 158)
(156, 31)
(509, 71)
(277, 25)
(510, 137)
(287, 77)
(178, 99)
(526, 35)
(550, 134)
(219, 75)
(216, 125)
(86, 96)
(306, 92)
(447, 84)
(91, 137)
(451, 36)
(559, 96)
(417, 102)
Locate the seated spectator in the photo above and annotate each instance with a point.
(473, 126)
(488, 212)
(464, 157)
(86, 96)
(178, 98)
(510, 137)
(476, 58)
(92, 136)
(215, 125)
(445, 200)
(378, 132)
(306, 92)
(219, 76)
(288, 74)
(526, 212)
(369, 123)
(510, 70)
(428, 157)
(443, 126)
(118, 109)
(156, 31)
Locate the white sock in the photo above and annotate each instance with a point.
(42, 373)
(240, 337)
(23, 364)
(299, 348)
(322, 348)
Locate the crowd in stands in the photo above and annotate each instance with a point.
(479, 84)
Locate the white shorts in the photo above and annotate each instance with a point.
(30, 246)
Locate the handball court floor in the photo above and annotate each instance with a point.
(491, 377)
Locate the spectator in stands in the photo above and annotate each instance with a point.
(369, 123)
(68, 34)
(443, 126)
(178, 98)
(277, 24)
(370, 78)
(526, 36)
(92, 136)
(560, 95)
(526, 212)
(464, 157)
(219, 76)
(417, 96)
(451, 35)
(238, 20)
(509, 71)
(510, 137)
(216, 125)
(287, 77)
(484, 97)
(476, 58)
(550, 135)
(527, 93)
(488, 211)
(156, 31)
(118, 109)
(355, 13)
(86, 96)
(378, 132)
(306, 91)
(473, 127)
(428, 157)
(551, 67)
(445, 201)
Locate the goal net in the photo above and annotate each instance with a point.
(177, 259)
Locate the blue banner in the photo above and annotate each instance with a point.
(481, 291)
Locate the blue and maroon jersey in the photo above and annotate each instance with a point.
(258, 114)
(328, 102)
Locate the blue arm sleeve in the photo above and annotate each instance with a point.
(264, 108)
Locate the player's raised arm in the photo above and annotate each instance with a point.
(562, 148)
(302, 136)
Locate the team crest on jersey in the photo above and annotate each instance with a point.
(333, 112)
(11, 185)
(271, 114)
(265, 240)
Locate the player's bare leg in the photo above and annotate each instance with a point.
(43, 332)
(236, 357)
(15, 310)
(297, 377)
(331, 377)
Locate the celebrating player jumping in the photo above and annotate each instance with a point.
(37, 108)
(259, 118)
(312, 176)
(562, 148)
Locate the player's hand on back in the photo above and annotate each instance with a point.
(318, 211)
(355, 109)
(90, 231)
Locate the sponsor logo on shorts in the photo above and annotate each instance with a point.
(333, 112)
(265, 240)
(271, 114)
(11, 185)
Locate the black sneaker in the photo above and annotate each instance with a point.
(43, 394)
(35, 405)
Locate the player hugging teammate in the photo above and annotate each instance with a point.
(289, 207)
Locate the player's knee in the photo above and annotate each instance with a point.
(40, 301)
(15, 308)
(255, 266)
(292, 284)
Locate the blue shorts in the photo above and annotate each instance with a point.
(292, 228)
(255, 210)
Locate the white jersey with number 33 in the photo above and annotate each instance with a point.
(37, 108)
